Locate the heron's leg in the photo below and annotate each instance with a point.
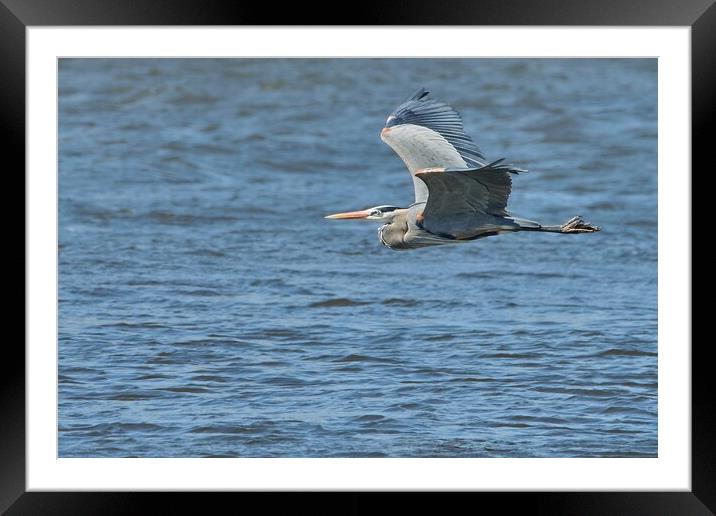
(573, 225)
(577, 225)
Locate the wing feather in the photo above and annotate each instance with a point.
(465, 202)
(421, 109)
(421, 148)
(428, 134)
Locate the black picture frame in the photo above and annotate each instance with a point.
(17, 15)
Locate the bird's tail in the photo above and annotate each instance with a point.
(573, 225)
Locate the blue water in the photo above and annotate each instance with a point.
(207, 309)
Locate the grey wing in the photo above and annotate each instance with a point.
(420, 149)
(428, 134)
(422, 110)
(466, 203)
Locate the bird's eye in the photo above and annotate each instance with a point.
(375, 213)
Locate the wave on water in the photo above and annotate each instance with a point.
(209, 310)
(337, 303)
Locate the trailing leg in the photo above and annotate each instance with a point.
(573, 225)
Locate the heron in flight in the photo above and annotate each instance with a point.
(459, 196)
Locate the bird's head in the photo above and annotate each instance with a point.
(384, 213)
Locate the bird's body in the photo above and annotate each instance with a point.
(459, 197)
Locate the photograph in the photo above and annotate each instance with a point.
(357, 257)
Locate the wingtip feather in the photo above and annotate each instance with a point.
(420, 94)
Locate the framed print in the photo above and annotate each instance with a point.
(199, 320)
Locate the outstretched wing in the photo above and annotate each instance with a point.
(466, 202)
(427, 134)
(424, 111)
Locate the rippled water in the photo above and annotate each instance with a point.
(207, 309)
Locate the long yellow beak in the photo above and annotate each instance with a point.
(349, 215)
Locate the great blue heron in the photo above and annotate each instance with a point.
(459, 196)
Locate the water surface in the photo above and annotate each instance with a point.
(207, 309)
